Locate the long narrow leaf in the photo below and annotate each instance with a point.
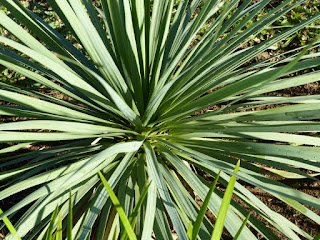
(219, 224)
(119, 209)
(203, 209)
(241, 228)
(10, 226)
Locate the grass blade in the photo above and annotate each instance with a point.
(52, 220)
(134, 214)
(136, 209)
(59, 229)
(10, 226)
(218, 228)
(117, 205)
(190, 230)
(203, 209)
(242, 226)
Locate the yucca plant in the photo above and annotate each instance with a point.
(142, 101)
(129, 223)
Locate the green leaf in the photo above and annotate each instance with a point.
(10, 226)
(157, 178)
(242, 226)
(317, 237)
(151, 210)
(63, 126)
(49, 235)
(122, 170)
(233, 223)
(190, 230)
(137, 208)
(117, 205)
(202, 212)
(70, 218)
(59, 229)
(14, 147)
(45, 106)
(219, 224)
(113, 86)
